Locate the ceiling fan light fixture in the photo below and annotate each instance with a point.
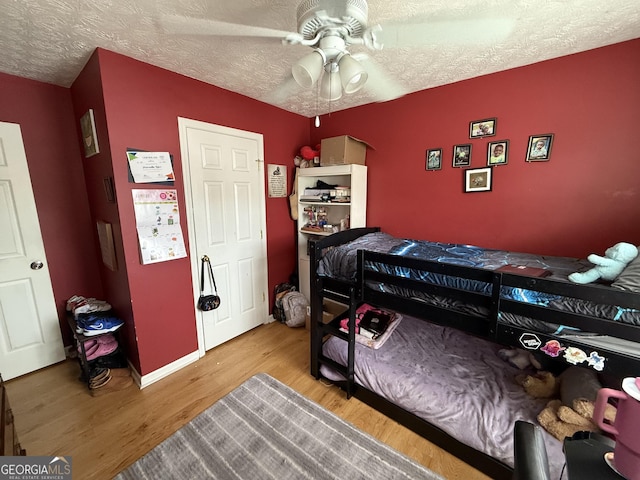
(330, 85)
(308, 69)
(352, 75)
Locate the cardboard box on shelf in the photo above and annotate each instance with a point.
(342, 150)
(330, 310)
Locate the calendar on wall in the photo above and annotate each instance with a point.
(158, 224)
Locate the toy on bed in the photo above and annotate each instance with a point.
(573, 412)
(608, 267)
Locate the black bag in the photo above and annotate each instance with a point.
(208, 302)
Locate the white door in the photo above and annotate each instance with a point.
(30, 336)
(225, 195)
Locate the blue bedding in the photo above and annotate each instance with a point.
(340, 262)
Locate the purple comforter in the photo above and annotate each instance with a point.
(451, 379)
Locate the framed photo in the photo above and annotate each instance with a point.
(462, 155)
(478, 179)
(434, 159)
(539, 149)
(89, 137)
(497, 152)
(109, 191)
(483, 128)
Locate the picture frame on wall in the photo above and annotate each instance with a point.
(89, 136)
(433, 159)
(539, 149)
(483, 128)
(478, 179)
(462, 155)
(498, 152)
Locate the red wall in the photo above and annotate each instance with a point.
(584, 199)
(141, 106)
(45, 115)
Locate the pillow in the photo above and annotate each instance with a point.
(629, 279)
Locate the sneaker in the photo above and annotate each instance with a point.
(84, 319)
(102, 325)
(73, 301)
(91, 305)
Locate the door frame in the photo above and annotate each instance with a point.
(183, 124)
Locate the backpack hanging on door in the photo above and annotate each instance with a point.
(295, 308)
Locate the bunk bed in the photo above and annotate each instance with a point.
(464, 303)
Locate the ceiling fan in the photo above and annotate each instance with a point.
(330, 27)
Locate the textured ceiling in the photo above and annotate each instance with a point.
(51, 40)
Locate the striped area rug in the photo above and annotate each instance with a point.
(264, 429)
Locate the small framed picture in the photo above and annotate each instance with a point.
(89, 136)
(497, 152)
(478, 179)
(462, 155)
(434, 159)
(483, 128)
(539, 149)
(109, 191)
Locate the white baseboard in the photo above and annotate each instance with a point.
(269, 319)
(150, 378)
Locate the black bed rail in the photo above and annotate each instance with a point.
(596, 293)
(381, 284)
(584, 322)
(481, 317)
(613, 361)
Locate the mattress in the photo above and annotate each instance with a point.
(451, 379)
(340, 262)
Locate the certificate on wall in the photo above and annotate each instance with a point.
(150, 167)
(277, 181)
(158, 225)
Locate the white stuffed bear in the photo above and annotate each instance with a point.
(608, 267)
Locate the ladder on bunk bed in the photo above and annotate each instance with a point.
(342, 292)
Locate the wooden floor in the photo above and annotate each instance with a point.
(56, 415)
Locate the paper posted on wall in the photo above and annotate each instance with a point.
(158, 225)
(149, 167)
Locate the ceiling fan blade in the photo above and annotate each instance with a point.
(379, 84)
(286, 89)
(482, 31)
(178, 24)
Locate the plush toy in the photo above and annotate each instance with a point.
(608, 267)
(309, 153)
(519, 358)
(562, 421)
(573, 411)
(540, 385)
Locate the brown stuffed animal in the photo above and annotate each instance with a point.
(562, 421)
(540, 385)
(573, 411)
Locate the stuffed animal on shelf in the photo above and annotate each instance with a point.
(307, 156)
(608, 267)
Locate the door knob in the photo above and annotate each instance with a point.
(37, 265)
